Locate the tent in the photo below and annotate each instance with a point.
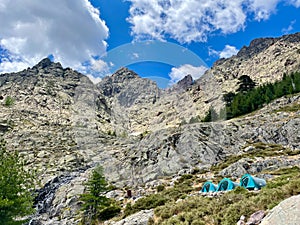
(226, 185)
(209, 187)
(250, 182)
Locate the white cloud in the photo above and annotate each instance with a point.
(227, 52)
(178, 73)
(185, 21)
(95, 80)
(71, 31)
(295, 3)
(99, 66)
(194, 20)
(289, 28)
(263, 9)
(135, 55)
(12, 65)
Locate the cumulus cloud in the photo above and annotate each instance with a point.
(263, 9)
(185, 21)
(227, 52)
(178, 73)
(194, 20)
(72, 31)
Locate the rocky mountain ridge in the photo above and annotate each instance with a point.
(64, 125)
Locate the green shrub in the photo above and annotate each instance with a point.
(226, 209)
(160, 188)
(9, 101)
(109, 212)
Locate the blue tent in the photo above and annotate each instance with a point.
(209, 187)
(250, 182)
(226, 185)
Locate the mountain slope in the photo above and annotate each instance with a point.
(64, 125)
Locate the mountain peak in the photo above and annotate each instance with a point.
(125, 73)
(46, 62)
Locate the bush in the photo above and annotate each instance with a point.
(9, 101)
(226, 209)
(160, 188)
(109, 212)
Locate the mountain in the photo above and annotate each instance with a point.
(64, 125)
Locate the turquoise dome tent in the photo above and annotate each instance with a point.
(209, 187)
(250, 182)
(226, 185)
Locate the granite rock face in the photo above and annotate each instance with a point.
(286, 213)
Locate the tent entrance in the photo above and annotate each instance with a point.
(224, 186)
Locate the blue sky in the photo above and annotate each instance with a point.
(161, 39)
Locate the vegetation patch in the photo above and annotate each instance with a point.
(9, 101)
(249, 98)
(293, 108)
(16, 200)
(165, 196)
(260, 150)
(227, 209)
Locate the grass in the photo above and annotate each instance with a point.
(260, 150)
(180, 191)
(291, 108)
(175, 205)
(226, 209)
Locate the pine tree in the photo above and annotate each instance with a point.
(16, 201)
(96, 205)
(245, 84)
(211, 115)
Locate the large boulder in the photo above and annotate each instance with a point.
(286, 213)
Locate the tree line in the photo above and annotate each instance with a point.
(250, 97)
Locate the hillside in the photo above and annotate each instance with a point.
(64, 125)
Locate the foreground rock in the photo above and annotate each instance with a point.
(140, 218)
(286, 213)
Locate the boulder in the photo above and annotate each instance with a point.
(286, 213)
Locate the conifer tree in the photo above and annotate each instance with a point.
(16, 200)
(96, 205)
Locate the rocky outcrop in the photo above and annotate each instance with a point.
(286, 213)
(140, 218)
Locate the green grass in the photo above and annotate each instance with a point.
(226, 209)
(291, 108)
(260, 150)
(179, 191)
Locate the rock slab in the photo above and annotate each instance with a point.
(286, 213)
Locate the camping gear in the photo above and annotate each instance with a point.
(209, 187)
(249, 182)
(226, 185)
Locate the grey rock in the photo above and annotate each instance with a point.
(286, 213)
(140, 218)
(256, 218)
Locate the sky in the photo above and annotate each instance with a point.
(163, 40)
